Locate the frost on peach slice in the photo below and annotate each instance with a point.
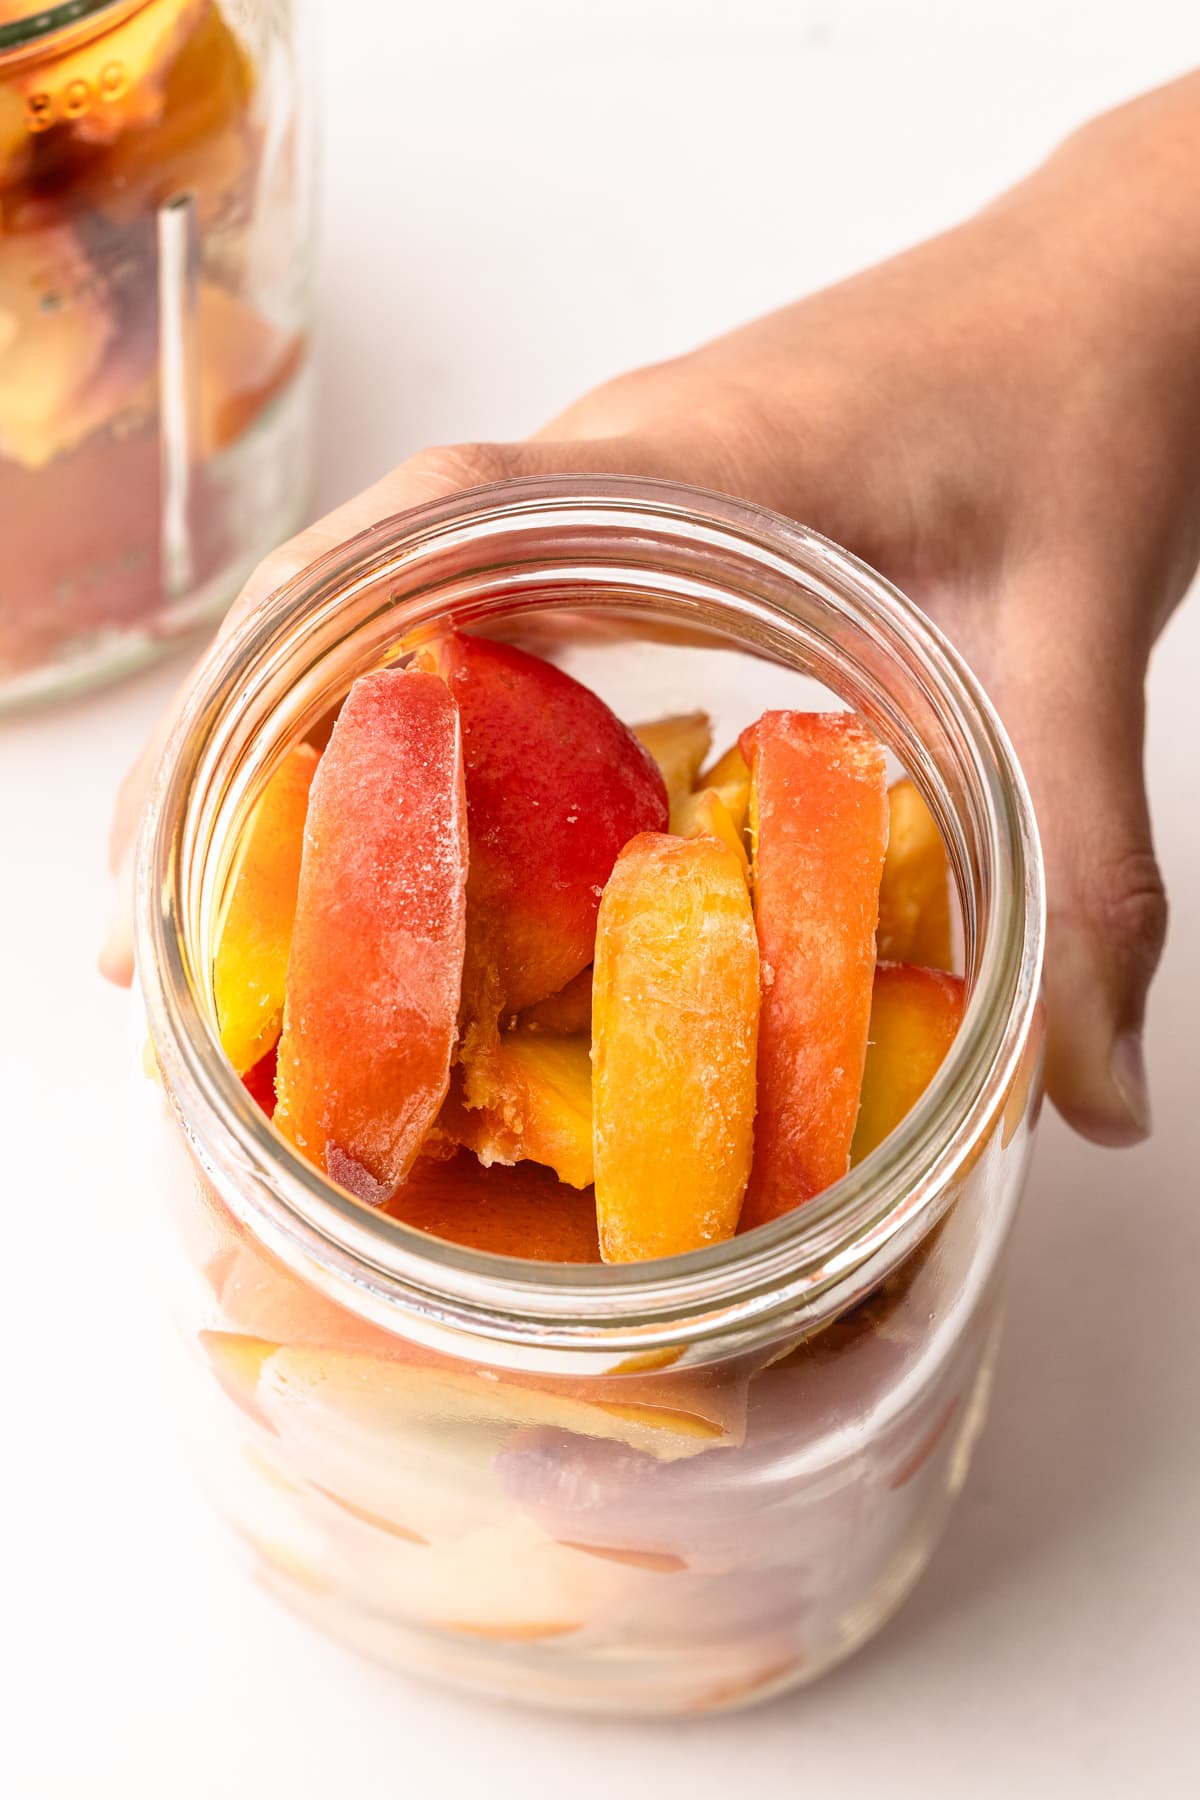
(540, 1108)
(669, 1414)
(914, 894)
(915, 1014)
(250, 967)
(565, 1014)
(374, 976)
(818, 826)
(679, 745)
(555, 785)
(705, 814)
(675, 1019)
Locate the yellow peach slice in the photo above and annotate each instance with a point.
(705, 814)
(678, 745)
(250, 967)
(914, 893)
(914, 1016)
(541, 1108)
(676, 1008)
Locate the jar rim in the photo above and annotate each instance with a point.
(732, 1294)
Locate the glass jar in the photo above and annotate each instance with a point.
(155, 224)
(663, 1487)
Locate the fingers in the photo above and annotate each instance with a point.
(1075, 709)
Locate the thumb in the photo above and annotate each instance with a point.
(1078, 723)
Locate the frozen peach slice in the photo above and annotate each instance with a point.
(914, 894)
(540, 1110)
(675, 1022)
(914, 1016)
(57, 321)
(705, 814)
(818, 824)
(565, 1014)
(730, 776)
(519, 1211)
(370, 1019)
(506, 1581)
(555, 785)
(665, 1419)
(250, 967)
(678, 745)
(669, 1414)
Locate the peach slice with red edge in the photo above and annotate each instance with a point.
(565, 1014)
(540, 1111)
(705, 814)
(679, 745)
(914, 894)
(818, 824)
(556, 783)
(669, 1414)
(915, 1014)
(675, 1018)
(374, 977)
(255, 937)
(518, 1211)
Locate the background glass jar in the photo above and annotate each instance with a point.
(155, 232)
(662, 1487)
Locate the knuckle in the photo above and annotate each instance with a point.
(447, 468)
(1128, 902)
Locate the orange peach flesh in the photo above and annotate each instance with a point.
(675, 1014)
(818, 821)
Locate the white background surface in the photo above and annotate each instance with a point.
(522, 197)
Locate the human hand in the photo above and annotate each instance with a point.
(979, 421)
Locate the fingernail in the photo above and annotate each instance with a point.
(115, 961)
(1128, 1069)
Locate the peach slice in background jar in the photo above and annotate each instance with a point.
(154, 242)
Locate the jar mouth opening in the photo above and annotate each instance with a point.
(783, 592)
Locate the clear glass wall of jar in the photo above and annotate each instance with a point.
(155, 237)
(664, 1487)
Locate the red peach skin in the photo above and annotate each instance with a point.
(374, 979)
(556, 784)
(819, 826)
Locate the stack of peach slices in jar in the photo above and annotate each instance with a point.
(525, 978)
